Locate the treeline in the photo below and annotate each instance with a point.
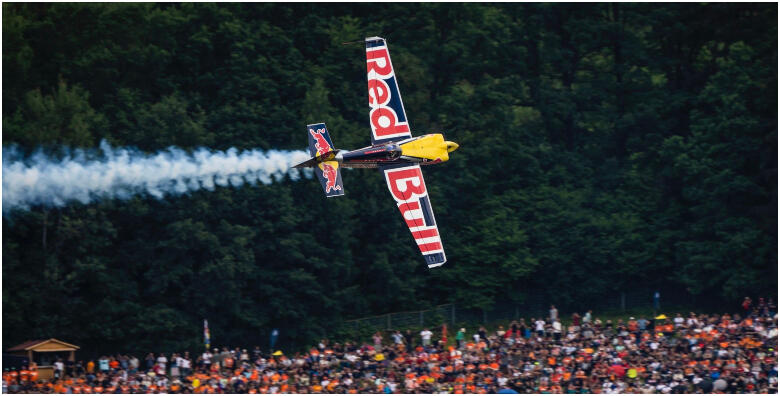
(604, 147)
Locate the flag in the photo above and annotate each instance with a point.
(206, 334)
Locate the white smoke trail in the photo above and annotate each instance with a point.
(86, 176)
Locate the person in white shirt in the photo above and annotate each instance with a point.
(557, 329)
(162, 361)
(426, 337)
(678, 321)
(539, 327)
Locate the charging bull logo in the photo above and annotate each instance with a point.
(320, 143)
(331, 175)
(388, 119)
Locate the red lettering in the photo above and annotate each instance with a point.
(378, 92)
(372, 57)
(391, 127)
(408, 208)
(407, 176)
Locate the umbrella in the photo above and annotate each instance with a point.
(661, 316)
(507, 391)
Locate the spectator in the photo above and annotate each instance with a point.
(715, 353)
(103, 364)
(553, 313)
(557, 330)
(482, 333)
(500, 332)
(746, 305)
(398, 338)
(149, 360)
(460, 336)
(588, 317)
(425, 336)
(59, 368)
(377, 340)
(539, 326)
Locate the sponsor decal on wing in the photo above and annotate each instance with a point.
(407, 186)
(387, 116)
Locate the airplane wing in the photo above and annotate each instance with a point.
(407, 187)
(387, 116)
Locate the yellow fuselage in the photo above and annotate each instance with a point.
(432, 147)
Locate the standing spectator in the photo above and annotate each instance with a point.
(633, 326)
(185, 364)
(460, 336)
(553, 313)
(539, 327)
(227, 359)
(746, 303)
(59, 368)
(501, 332)
(175, 370)
(642, 324)
(378, 341)
(575, 321)
(79, 367)
(398, 338)
(588, 316)
(134, 363)
(483, 333)
(409, 338)
(149, 360)
(557, 330)
(525, 329)
(425, 335)
(205, 358)
(103, 364)
(162, 361)
(678, 320)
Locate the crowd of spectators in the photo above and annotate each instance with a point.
(693, 353)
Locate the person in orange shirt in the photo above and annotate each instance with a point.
(24, 374)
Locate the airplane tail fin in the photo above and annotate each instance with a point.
(323, 162)
(319, 140)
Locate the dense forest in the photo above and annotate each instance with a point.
(603, 148)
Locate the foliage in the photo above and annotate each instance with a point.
(604, 147)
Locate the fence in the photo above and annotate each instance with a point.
(535, 304)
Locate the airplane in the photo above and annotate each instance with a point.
(394, 151)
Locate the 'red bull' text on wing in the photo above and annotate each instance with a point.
(394, 151)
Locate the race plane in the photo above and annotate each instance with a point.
(393, 151)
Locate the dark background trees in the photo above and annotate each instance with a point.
(604, 147)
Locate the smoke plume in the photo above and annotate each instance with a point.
(85, 176)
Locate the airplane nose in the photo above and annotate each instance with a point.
(451, 146)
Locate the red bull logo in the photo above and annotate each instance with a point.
(331, 176)
(320, 143)
(384, 114)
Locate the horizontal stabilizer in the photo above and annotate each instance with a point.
(330, 177)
